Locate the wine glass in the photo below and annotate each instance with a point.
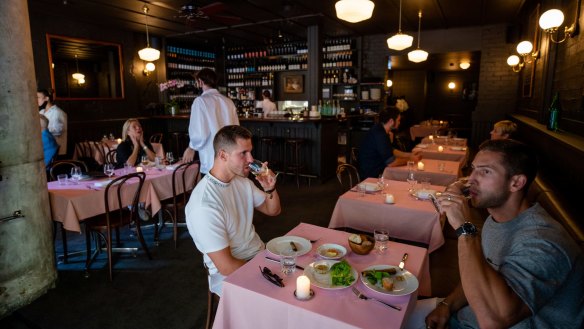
(145, 160)
(76, 175)
(381, 183)
(108, 169)
(169, 157)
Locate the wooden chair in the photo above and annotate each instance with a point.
(212, 303)
(86, 154)
(348, 176)
(64, 167)
(181, 190)
(118, 213)
(111, 157)
(156, 138)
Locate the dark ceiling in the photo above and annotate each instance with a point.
(255, 22)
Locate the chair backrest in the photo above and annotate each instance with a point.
(354, 156)
(348, 176)
(111, 157)
(181, 182)
(64, 167)
(86, 153)
(156, 138)
(121, 196)
(178, 143)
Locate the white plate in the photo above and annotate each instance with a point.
(406, 287)
(422, 146)
(277, 245)
(322, 251)
(309, 272)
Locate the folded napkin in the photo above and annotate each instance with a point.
(371, 186)
(424, 194)
(102, 183)
(171, 167)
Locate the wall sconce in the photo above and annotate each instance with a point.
(551, 20)
(464, 65)
(149, 68)
(389, 83)
(525, 49)
(354, 11)
(451, 86)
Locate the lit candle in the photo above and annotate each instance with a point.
(420, 166)
(302, 287)
(441, 122)
(119, 140)
(139, 169)
(389, 198)
(440, 148)
(431, 137)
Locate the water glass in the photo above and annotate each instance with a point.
(127, 168)
(425, 183)
(108, 169)
(381, 236)
(257, 168)
(76, 175)
(361, 188)
(169, 157)
(382, 184)
(411, 179)
(62, 178)
(288, 261)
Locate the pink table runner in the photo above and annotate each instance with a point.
(71, 204)
(251, 302)
(431, 171)
(408, 218)
(449, 153)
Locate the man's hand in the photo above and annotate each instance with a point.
(438, 318)
(189, 155)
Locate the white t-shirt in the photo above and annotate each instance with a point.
(268, 106)
(57, 126)
(220, 215)
(210, 112)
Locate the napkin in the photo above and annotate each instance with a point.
(424, 194)
(171, 167)
(102, 183)
(371, 187)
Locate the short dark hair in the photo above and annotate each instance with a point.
(388, 113)
(518, 158)
(227, 136)
(47, 93)
(208, 76)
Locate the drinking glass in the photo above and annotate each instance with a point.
(411, 165)
(108, 169)
(169, 157)
(361, 188)
(145, 160)
(75, 175)
(62, 178)
(411, 179)
(127, 168)
(382, 183)
(257, 168)
(288, 261)
(381, 236)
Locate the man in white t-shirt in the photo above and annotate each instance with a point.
(220, 210)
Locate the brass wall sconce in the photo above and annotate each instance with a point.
(451, 86)
(148, 68)
(525, 50)
(551, 20)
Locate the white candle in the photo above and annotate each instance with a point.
(389, 198)
(431, 137)
(420, 165)
(440, 148)
(302, 287)
(139, 169)
(119, 140)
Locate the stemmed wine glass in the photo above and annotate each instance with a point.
(76, 175)
(169, 157)
(108, 169)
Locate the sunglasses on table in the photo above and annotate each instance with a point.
(273, 278)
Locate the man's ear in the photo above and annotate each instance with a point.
(517, 182)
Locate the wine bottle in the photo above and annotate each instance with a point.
(554, 112)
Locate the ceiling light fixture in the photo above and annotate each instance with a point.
(354, 11)
(418, 55)
(464, 65)
(399, 41)
(551, 20)
(77, 75)
(148, 54)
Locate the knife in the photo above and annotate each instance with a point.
(277, 261)
(293, 245)
(403, 262)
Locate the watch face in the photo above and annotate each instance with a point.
(467, 229)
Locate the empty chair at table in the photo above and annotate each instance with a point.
(64, 167)
(348, 176)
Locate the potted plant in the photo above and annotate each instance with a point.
(172, 106)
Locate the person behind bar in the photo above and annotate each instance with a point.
(219, 213)
(268, 104)
(504, 129)
(133, 147)
(209, 113)
(376, 151)
(57, 118)
(523, 270)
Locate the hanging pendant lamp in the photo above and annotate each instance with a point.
(418, 55)
(354, 10)
(399, 41)
(77, 75)
(148, 54)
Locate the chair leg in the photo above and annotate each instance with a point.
(212, 303)
(109, 252)
(64, 240)
(175, 226)
(142, 242)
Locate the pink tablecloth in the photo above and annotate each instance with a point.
(111, 145)
(71, 204)
(251, 302)
(431, 171)
(444, 140)
(408, 218)
(449, 153)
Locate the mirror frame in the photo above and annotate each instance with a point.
(50, 37)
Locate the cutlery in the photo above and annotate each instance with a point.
(278, 261)
(361, 296)
(403, 262)
(293, 245)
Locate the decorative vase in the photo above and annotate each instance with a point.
(173, 110)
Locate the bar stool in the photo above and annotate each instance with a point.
(269, 144)
(293, 156)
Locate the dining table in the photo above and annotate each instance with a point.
(443, 152)
(438, 172)
(106, 146)
(249, 301)
(423, 130)
(445, 140)
(408, 217)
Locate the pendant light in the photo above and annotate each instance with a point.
(148, 54)
(354, 10)
(77, 75)
(418, 55)
(400, 41)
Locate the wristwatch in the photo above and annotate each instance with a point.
(467, 228)
(269, 192)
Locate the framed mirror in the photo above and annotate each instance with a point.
(85, 69)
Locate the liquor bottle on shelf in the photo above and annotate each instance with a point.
(554, 112)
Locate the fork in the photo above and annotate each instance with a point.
(361, 296)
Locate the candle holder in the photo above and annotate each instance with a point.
(310, 296)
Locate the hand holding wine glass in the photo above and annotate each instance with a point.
(108, 169)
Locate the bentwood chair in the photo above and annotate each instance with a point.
(111, 157)
(183, 184)
(348, 176)
(121, 209)
(64, 167)
(86, 154)
(156, 138)
(212, 302)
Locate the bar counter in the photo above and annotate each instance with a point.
(319, 152)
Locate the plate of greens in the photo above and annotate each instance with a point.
(389, 279)
(340, 274)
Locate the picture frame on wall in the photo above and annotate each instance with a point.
(294, 84)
